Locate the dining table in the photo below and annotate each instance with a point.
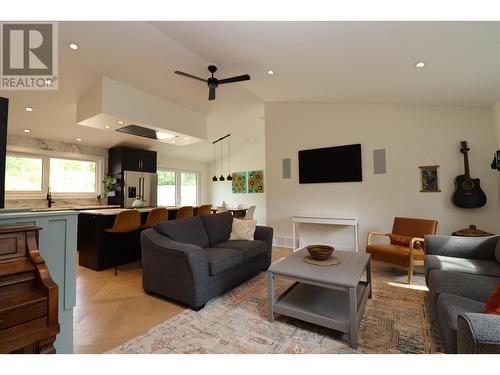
(236, 212)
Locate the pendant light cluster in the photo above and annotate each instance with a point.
(229, 177)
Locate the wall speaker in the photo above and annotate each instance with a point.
(379, 164)
(287, 168)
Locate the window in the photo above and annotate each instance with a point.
(166, 188)
(178, 188)
(72, 176)
(189, 191)
(28, 175)
(23, 173)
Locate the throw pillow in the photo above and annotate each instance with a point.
(243, 230)
(493, 304)
(397, 239)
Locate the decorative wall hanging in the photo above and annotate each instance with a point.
(429, 178)
(256, 181)
(239, 182)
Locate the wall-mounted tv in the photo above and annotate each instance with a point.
(330, 164)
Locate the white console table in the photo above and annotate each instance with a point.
(328, 220)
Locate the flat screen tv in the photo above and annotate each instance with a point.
(330, 164)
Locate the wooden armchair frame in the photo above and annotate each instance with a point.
(411, 261)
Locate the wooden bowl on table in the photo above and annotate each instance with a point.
(320, 252)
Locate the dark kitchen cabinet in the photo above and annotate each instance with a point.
(131, 159)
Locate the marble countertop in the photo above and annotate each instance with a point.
(77, 208)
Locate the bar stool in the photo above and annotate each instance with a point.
(184, 212)
(155, 216)
(125, 222)
(204, 210)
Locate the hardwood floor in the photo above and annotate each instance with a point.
(111, 310)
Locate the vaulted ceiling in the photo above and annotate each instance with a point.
(368, 62)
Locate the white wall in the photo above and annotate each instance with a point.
(496, 119)
(412, 136)
(250, 158)
(242, 114)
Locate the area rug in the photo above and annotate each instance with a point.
(396, 320)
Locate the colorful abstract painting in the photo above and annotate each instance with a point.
(239, 182)
(256, 181)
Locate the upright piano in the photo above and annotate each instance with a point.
(28, 295)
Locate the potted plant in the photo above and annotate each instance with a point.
(108, 182)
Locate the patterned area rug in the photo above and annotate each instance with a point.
(396, 320)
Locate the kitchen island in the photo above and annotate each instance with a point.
(95, 246)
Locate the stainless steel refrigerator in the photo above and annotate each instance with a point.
(140, 185)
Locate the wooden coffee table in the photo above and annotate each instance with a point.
(330, 296)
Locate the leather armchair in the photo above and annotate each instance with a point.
(406, 243)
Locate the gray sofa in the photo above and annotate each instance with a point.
(192, 261)
(461, 274)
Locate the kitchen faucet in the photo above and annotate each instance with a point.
(49, 198)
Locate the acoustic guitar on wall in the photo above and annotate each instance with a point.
(468, 192)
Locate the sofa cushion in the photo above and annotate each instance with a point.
(250, 249)
(394, 254)
(218, 227)
(448, 308)
(221, 260)
(467, 285)
(189, 230)
(474, 266)
(497, 252)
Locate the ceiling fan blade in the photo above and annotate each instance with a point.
(244, 77)
(211, 93)
(189, 76)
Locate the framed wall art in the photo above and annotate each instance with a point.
(256, 181)
(239, 182)
(429, 179)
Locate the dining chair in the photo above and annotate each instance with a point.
(249, 213)
(184, 212)
(125, 222)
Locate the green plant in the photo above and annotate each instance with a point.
(108, 185)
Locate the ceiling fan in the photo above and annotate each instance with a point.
(213, 82)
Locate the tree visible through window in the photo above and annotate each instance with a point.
(166, 188)
(72, 176)
(23, 173)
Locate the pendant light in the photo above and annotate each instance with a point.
(221, 178)
(229, 177)
(214, 178)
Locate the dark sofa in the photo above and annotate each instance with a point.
(192, 261)
(462, 273)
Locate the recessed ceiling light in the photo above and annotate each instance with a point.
(79, 139)
(420, 64)
(270, 72)
(73, 46)
(172, 141)
(107, 126)
(162, 136)
(27, 131)
(120, 122)
(186, 138)
(28, 109)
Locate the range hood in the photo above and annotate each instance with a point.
(115, 106)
